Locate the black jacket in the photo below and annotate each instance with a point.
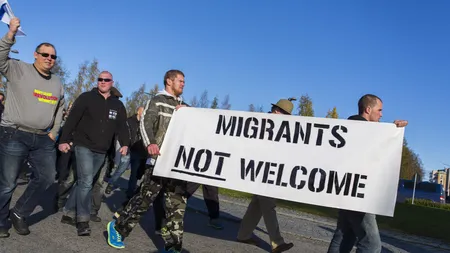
(136, 143)
(94, 121)
(357, 117)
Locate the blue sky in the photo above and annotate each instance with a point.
(258, 51)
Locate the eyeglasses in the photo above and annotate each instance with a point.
(104, 79)
(45, 55)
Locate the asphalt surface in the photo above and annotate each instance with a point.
(307, 232)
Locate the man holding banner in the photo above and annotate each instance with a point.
(28, 128)
(357, 227)
(262, 206)
(155, 121)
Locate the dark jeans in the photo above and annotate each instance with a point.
(210, 195)
(79, 202)
(120, 169)
(15, 147)
(352, 225)
(64, 187)
(98, 188)
(137, 164)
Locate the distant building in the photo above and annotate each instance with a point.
(441, 177)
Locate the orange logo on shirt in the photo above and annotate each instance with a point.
(45, 97)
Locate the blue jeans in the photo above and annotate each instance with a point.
(352, 225)
(15, 147)
(88, 164)
(120, 169)
(137, 163)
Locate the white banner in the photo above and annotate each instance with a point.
(344, 164)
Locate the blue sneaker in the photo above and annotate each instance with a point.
(114, 238)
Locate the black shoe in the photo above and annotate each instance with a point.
(283, 247)
(95, 218)
(108, 189)
(68, 220)
(83, 229)
(19, 223)
(4, 232)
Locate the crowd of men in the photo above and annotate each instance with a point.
(92, 141)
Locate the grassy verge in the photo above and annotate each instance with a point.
(412, 219)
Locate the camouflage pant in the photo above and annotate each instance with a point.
(138, 205)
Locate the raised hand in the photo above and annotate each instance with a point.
(14, 25)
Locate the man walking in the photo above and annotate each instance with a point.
(156, 118)
(265, 206)
(95, 118)
(357, 227)
(28, 128)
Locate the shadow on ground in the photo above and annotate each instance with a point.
(48, 206)
(396, 243)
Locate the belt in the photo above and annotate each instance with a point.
(31, 130)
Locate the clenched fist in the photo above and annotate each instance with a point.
(153, 149)
(14, 25)
(401, 123)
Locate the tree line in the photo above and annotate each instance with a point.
(86, 79)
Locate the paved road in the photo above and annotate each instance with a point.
(309, 234)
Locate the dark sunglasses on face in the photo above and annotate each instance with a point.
(45, 55)
(104, 79)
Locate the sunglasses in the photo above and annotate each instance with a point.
(45, 55)
(104, 79)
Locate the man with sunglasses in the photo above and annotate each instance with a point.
(94, 120)
(28, 128)
(262, 206)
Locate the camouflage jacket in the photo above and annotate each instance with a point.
(156, 117)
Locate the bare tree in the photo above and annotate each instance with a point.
(194, 101)
(84, 81)
(226, 103)
(204, 101)
(154, 91)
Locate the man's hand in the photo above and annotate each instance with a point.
(179, 106)
(50, 135)
(153, 149)
(123, 150)
(14, 25)
(64, 147)
(401, 123)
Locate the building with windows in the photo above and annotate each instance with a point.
(441, 177)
